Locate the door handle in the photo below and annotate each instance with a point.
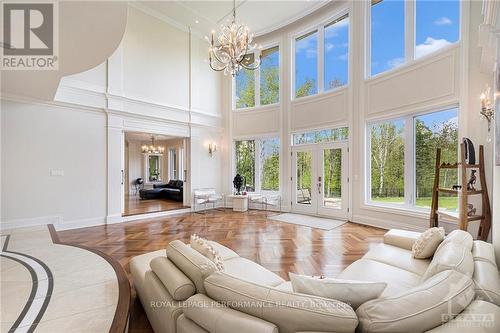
(122, 178)
(319, 188)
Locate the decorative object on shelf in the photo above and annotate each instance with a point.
(153, 149)
(457, 187)
(139, 185)
(487, 110)
(238, 183)
(212, 148)
(232, 50)
(472, 181)
(470, 154)
(471, 210)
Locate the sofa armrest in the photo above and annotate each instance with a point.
(215, 317)
(478, 317)
(401, 238)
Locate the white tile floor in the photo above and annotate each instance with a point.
(85, 287)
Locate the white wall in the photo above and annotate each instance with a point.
(155, 61)
(38, 139)
(157, 82)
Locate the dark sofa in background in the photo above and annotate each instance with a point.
(173, 190)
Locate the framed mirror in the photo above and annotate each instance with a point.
(153, 168)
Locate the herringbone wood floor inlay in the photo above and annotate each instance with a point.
(278, 246)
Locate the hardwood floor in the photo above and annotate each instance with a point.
(278, 246)
(134, 205)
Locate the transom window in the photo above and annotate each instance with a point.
(318, 136)
(261, 86)
(258, 161)
(321, 60)
(402, 31)
(402, 155)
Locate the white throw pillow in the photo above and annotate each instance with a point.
(427, 243)
(203, 246)
(352, 292)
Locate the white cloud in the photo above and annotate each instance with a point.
(430, 45)
(311, 53)
(442, 21)
(329, 47)
(396, 62)
(343, 56)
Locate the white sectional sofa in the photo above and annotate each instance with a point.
(182, 291)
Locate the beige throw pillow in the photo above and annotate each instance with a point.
(202, 246)
(352, 292)
(425, 245)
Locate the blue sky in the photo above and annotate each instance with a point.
(436, 25)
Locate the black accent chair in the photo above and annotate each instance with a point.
(173, 190)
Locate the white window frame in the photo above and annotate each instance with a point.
(409, 38)
(320, 129)
(409, 159)
(257, 104)
(320, 29)
(258, 171)
(172, 166)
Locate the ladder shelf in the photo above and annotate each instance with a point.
(463, 193)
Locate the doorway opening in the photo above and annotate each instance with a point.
(155, 173)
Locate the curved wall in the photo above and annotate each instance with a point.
(446, 78)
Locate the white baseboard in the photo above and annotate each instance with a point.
(31, 222)
(385, 224)
(83, 223)
(155, 215)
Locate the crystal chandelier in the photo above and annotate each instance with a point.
(152, 149)
(230, 54)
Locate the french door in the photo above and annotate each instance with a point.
(319, 179)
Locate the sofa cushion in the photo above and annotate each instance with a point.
(225, 252)
(451, 256)
(351, 292)
(251, 271)
(397, 279)
(418, 309)
(427, 243)
(483, 251)
(202, 246)
(192, 263)
(458, 236)
(401, 238)
(398, 257)
(177, 284)
(487, 281)
(291, 312)
(217, 318)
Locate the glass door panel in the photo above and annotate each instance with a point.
(332, 178)
(304, 175)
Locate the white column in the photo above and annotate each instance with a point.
(115, 169)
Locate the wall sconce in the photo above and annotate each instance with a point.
(212, 148)
(487, 110)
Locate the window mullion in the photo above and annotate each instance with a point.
(409, 30)
(257, 165)
(409, 149)
(321, 58)
(257, 81)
